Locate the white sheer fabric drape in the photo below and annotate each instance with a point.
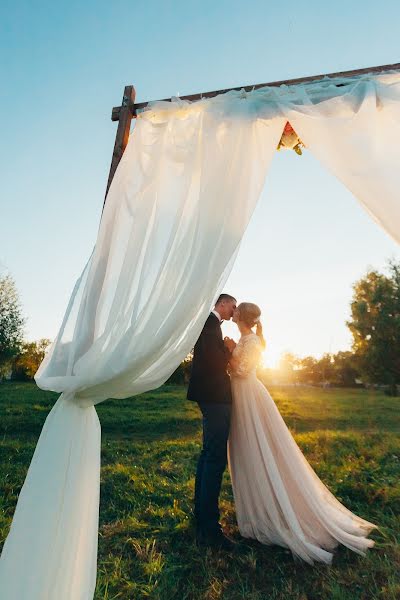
(180, 201)
(356, 136)
(175, 214)
(176, 211)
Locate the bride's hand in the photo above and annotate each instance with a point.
(230, 344)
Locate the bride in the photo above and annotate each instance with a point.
(279, 499)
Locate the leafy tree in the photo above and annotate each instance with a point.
(315, 371)
(336, 369)
(345, 369)
(11, 323)
(307, 370)
(325, 369)
(27, 362)
(375, 326)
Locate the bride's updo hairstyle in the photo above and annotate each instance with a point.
(250, 314)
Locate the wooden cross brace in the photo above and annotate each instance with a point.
(124, 113)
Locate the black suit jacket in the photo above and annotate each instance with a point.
(209, 381)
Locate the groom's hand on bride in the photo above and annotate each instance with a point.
(230, 344)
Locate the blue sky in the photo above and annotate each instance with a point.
(64, 66)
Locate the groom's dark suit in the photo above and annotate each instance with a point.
(210, 387)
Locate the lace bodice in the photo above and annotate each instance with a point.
(247, 354)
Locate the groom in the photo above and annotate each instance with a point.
(210, 387)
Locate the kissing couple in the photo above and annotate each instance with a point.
(278, 497)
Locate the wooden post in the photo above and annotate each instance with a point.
(126, 113)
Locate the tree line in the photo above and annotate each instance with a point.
(19, 359)
(339, 370)
(373, 360)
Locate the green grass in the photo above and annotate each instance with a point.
(149, 449)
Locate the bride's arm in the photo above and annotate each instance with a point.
(246, 358)
(233, 364)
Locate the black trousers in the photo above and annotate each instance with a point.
(211, 465)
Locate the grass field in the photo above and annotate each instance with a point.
(149, 449)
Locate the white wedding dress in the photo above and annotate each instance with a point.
(279, 499)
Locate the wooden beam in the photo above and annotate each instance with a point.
(126, 112)
(116, 111)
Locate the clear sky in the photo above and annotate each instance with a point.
(64, 66)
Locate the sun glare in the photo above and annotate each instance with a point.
(270, 358)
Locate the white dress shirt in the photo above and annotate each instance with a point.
(216, 313)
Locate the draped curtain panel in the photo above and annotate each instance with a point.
(175, 214)
(355, 136)
(177, 209)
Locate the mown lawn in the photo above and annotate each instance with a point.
(149, 449)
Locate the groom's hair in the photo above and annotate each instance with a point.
(225, 297)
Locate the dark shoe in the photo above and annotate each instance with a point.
(217, 541)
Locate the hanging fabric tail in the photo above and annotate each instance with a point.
(51, 550)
